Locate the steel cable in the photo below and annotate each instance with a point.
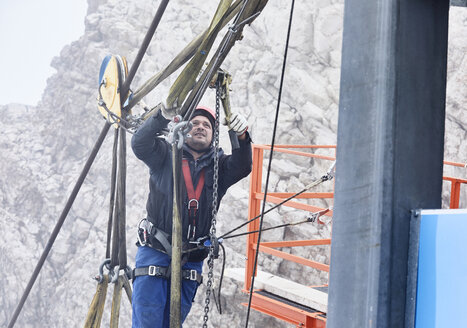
(269, 164)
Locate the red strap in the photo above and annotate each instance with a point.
(192, 194)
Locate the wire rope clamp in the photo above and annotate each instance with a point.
(113, 72)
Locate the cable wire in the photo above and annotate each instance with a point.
(313, 184)
(269, 164)
(315, 216)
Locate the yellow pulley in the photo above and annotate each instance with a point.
(113, 72)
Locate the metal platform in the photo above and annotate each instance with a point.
(312, 297)
(286, 300)
(287, 310)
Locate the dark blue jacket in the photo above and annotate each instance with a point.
(157, 154)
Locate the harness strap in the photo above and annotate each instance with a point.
(162, 238)
(193, 195)
(164, 272)
(146, 230)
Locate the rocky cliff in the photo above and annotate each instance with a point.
(45, 147)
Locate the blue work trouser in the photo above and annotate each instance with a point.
(151, 295)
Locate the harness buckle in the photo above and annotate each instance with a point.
(192, 209)
(196, 206)
(154, 271)
(193, 275)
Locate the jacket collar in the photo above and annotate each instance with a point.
(205, 159)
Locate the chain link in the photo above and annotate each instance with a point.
(214, 210)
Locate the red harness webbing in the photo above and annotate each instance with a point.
(193, 196)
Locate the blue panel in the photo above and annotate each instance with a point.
(442, 270)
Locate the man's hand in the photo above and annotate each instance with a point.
(168, 113)
(238, 123)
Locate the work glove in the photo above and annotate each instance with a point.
(238, 123)
(167, 112)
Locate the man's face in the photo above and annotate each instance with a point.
(201, 133)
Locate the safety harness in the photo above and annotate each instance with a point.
(164, 272)
(193, 197)
(147, 229)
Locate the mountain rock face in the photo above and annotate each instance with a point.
(45, 147)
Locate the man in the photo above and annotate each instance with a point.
(151, 284)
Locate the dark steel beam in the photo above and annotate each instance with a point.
(389, 155)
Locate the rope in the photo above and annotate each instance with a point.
(96, 309)
(115, 233)
(176, 265)
(112, 193)
(116, 300)
(121, 202)
(269, 164)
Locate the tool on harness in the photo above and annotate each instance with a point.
(146, 230)
(193, 197)
(164, 272)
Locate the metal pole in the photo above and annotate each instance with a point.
(60, 222)
(389, 155)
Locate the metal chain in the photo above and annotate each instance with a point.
(214, 211)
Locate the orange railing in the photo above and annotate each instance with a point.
(455, 185)
(455, 190)
(269, 306)
(256, 195)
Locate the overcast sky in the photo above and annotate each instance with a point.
(32, 32)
